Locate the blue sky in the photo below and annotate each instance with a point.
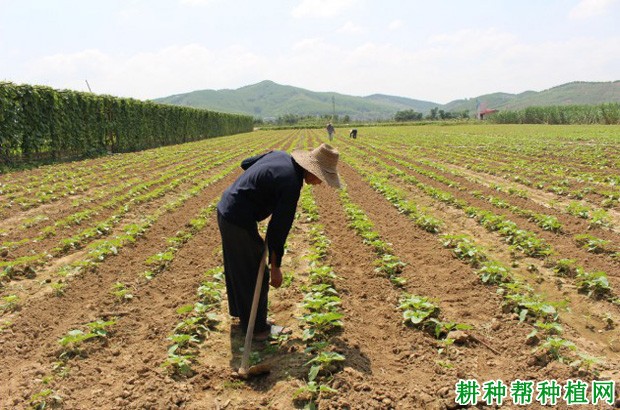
(430, 50)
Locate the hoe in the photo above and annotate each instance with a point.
(246, 371)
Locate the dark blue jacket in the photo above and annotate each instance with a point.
(270, 186)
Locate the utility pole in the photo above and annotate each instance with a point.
(333, 108)
(88, 85)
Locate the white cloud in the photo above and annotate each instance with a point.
(307, 44)
(590, 8)
(454, 65)
(145, 75)
(322, 8)
(197, 2)
(458, 65)
(350, 28)
(395, 25)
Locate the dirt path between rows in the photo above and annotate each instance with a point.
(400, 363)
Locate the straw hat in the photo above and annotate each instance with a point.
(321, 162)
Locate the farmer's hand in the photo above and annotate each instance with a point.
(276, 276)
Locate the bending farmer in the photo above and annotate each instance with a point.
(330, 131)
(270, 185)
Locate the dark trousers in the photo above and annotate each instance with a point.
(243, 250)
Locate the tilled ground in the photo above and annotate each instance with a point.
(388, 364)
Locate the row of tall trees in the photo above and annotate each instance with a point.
(435, 114)
(304, 120)
(39, 122)
(608, 113)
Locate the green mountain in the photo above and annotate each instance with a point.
(270, 100)
(575, 93)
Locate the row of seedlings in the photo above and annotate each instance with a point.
(98, 251)
(113, 172)
(201, 318)
(519, 296)
(521, 299)
(594, 284)
(597, 217)
(540, 180)
(418, 311)
(122, 204)
(159, 261)
(46, 190)
(546, 222)
(550, 223)
(75, 344)
(181, 165)
(322, 316)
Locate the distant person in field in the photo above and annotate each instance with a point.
(270, 185)
(353, 133)
(330, 131)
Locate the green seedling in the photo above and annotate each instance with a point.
(5, 325)
(465, 249)
(182, 340)
(398, 281)
(58, 288)
(548, 223)
(72, 342)
(287, 279)
(210, 293)
(546, 328)
(586, 362)
(592, 244)
(324, 362)
(45, 399)
(441, 329)
(318, 302)
(312, 392)
(321, 324)
(429, 223)
(444, 364)
(520, 299)
(494, 273)
(180, 363)
(493, 222)
(527, 243)
(100, 327)
(193, 325)
(599, 219)
(322, 274)
(594, 284)
(216, 273)
(417, 310)
(211, 319)
(555, 346)
(10, 303)
(566, 267)
(390, 265)
(120, 292)
(160, 260)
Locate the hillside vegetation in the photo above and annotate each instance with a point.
(575, 93)
(270, 100)
(267, 100)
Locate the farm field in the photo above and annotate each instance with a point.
(466, 252)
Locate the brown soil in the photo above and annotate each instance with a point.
(388, 365)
